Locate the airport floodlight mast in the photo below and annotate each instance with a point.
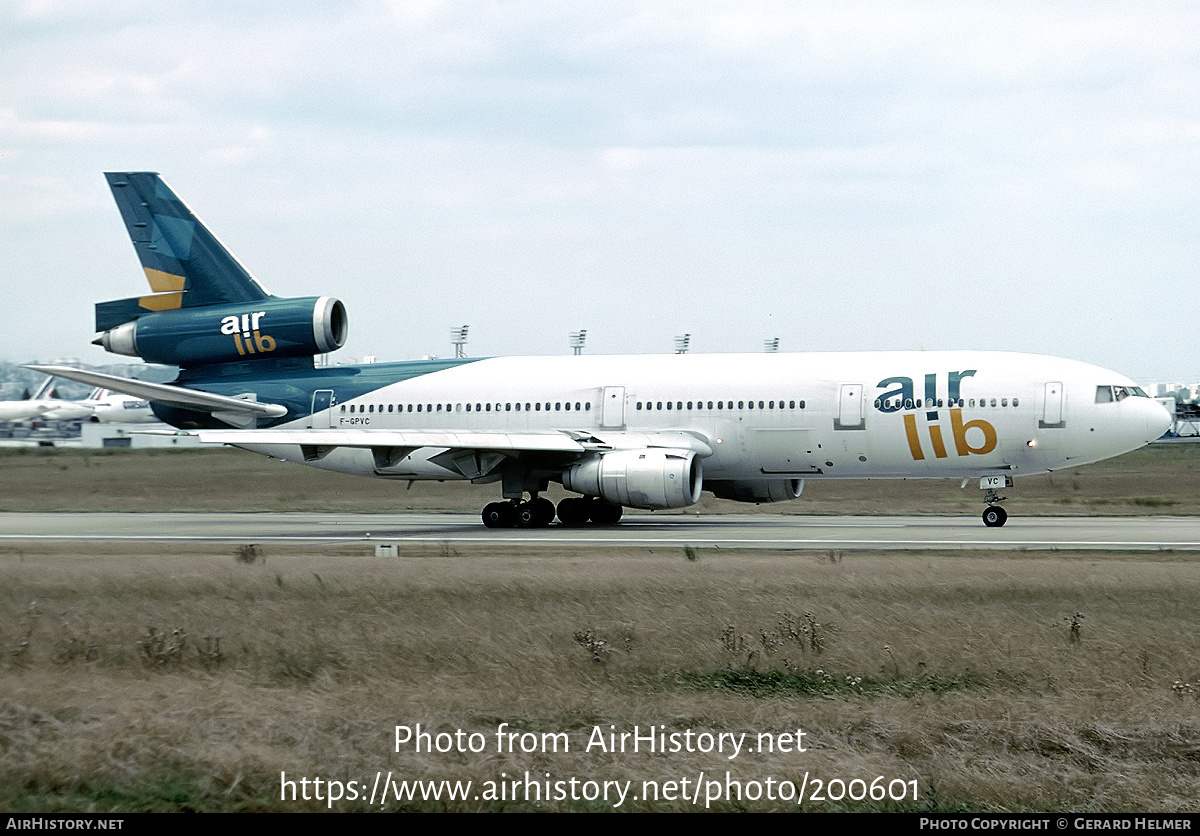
(771, 345)
(682, 342)
(458, 338)
(578, 338)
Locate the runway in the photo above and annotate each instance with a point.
(756, 531)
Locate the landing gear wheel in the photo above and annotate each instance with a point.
(994, 516)
(500, 515)
(605, 513)
(573, 511)
(544, 511)
(526, 515)
(536, 513)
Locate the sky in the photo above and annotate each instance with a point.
(841, 175)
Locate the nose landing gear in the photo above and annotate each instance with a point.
(994, 516)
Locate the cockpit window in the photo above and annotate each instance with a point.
(1109, 394)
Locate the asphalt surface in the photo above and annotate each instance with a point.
(759, 531)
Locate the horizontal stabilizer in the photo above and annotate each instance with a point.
(119, 311)
(219, 405)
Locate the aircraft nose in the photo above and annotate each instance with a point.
(1158, 421)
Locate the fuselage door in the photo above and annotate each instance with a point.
(612, 408)
(322, 401)
(1052, 410)
(850, 408)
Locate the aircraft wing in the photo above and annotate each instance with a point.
(407, 439)
(219, 405)
(472, 454)
(513, 442)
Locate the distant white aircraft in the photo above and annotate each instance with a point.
(21, 410)
(101, 405)
(112, 407)
(43, 405)
(636, 431)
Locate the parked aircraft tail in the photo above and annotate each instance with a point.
(44, 392)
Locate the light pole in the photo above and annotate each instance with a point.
(577, 340)
(458, 338)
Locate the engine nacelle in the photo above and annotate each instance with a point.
(262, 329)
(756, 490)
(651, 478)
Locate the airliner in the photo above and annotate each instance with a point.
(114, 408)
(44, 405)
(647, 432)
(24, 409)
(100, 405)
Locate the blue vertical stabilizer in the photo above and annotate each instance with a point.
(185, 264)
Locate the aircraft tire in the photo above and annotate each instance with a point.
(526, 515)
(536, 513)
(499, 515)
(573, 511)
(543, 511)
(605, 513)
(994, 516)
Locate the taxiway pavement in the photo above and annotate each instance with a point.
(749, 531)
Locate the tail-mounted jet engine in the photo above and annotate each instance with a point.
(225, 333)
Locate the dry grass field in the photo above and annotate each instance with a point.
(182, 678)
(192, 677)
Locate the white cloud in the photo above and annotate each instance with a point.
(840, 163)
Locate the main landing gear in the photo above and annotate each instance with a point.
(538, 512)
(581, 510)
(535, 513)
(993, 515)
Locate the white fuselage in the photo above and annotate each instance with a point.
(47, 409)
(22, 410)
(770, 416)
(121, 409)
